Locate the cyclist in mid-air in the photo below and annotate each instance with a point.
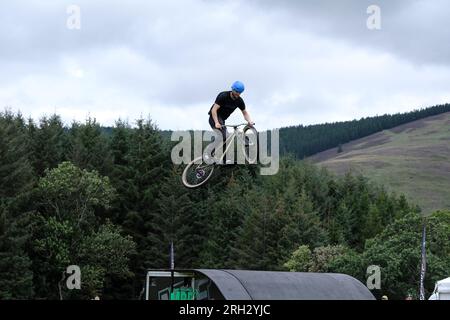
(225, 104)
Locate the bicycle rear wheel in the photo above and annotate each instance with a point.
(196, 174)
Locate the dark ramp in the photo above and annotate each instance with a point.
(273, 285)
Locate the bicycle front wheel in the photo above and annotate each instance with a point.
(250, 146)
(195, 174)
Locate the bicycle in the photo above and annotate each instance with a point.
(198, 171)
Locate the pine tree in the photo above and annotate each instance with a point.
(48, 143)
(148, 165)
(16, 183)
(226, 208)
(302, 224)
(180, 221)
(89, 147)
(16, 280)
(16, 174)
(266, 233)
(121, 174)
(254, 245)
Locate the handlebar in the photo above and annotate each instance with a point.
(237, 125)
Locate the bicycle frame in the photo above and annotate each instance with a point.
(230, 138)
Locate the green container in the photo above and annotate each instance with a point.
(182, 294)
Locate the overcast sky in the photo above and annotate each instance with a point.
(302, 62)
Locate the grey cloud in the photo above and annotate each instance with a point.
(164, 56)
(415, 30)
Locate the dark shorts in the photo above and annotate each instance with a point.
(213, 126)
(223, 130)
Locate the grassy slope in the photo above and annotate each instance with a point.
(413, 159)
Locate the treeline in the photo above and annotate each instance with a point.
(303, 141)
(112, 203)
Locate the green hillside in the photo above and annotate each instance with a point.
(305, 141)
(413, 158)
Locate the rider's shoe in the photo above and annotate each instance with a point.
(248, 142)
(227, 162)
(211, 159)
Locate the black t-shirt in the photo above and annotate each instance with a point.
(227, 104)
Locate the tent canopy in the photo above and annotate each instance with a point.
(273, 285)
(441, 290)
(443, 286)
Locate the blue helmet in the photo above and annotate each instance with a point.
(238, 87)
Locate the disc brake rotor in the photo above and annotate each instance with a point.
(200, 173)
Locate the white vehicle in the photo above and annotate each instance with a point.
(441, 290)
